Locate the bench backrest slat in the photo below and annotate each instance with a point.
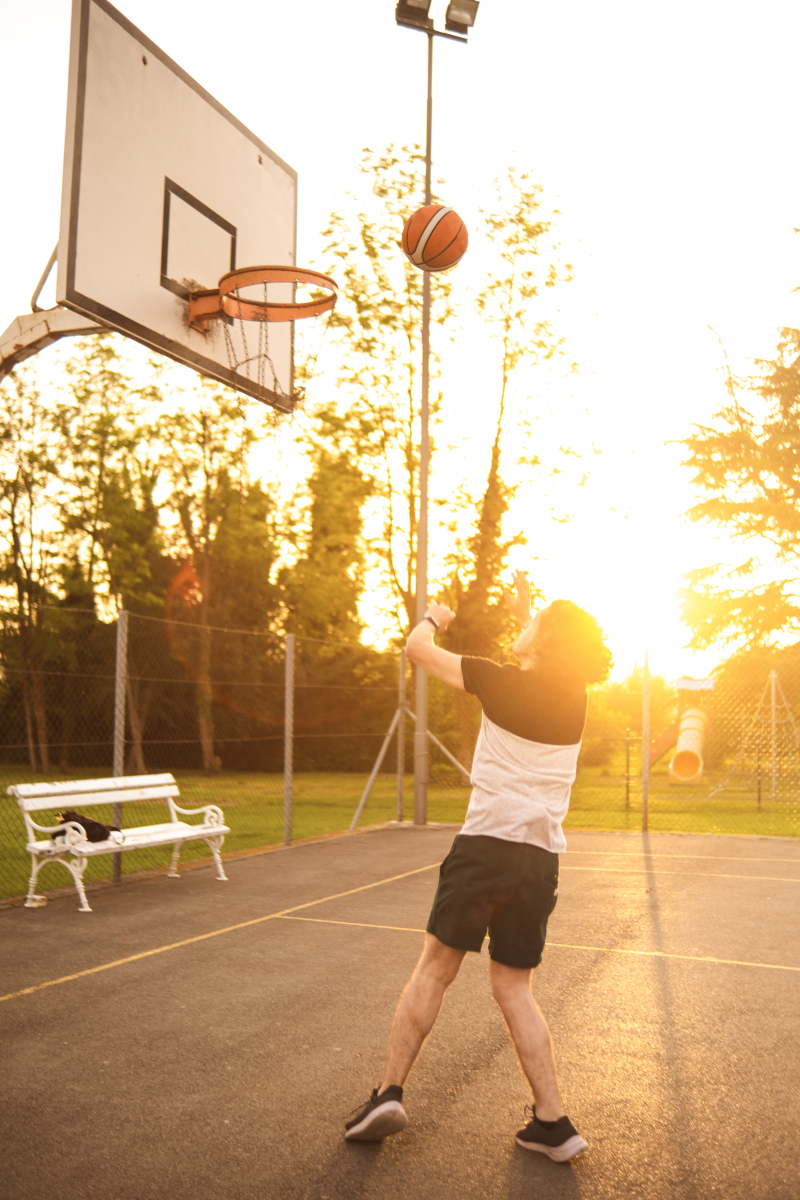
(84, 800)
(71, 787)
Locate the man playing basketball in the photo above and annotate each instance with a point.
(501, 874)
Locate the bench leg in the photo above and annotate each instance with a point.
(32, 900)
(76, 868)
(215, 844)
(172, 873)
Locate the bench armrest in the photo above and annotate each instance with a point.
(67, 825)
(214, 814)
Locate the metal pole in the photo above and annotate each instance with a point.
(401, 737)
(120, 680)
(421, 699)
(645, 741)
(627, 768)
(288, 733)
(773, 735)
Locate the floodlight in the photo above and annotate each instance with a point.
(413, 13)
(460, 15)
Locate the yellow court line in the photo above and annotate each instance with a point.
(642, 870)
(357, 924)
(727, 962)
(201, 937)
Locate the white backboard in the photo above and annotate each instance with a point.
(164, 191)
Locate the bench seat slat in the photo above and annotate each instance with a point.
(120, 783)
(137, 838)
(85, 799)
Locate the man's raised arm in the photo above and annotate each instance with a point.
(421, 650)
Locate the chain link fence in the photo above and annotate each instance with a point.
(295, 738)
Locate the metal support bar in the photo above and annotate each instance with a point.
(288, 736)
(645, 742)
(401, 737)
(443, 749)
(375, 769)
(421, 699)
(51, 262)
(450, 757)
(120, 681)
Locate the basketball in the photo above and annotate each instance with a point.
(435, 238)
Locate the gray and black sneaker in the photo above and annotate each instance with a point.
(559, 1139)
(379, 1117)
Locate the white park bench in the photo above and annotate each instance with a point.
(73, 849)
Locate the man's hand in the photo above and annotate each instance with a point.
(520, 604)
(442, 615)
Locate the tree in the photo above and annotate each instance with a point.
(224, 527)
(748, 465)
(510, 304)
(376, 331)
(27, 474)
(109, 467)
(322, 589)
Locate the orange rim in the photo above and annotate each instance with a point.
(259, 310)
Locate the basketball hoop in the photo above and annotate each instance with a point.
(225, 301)
(226, 304)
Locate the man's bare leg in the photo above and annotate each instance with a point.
(419, 1007)
(511, 989)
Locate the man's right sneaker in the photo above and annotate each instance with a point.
(380, 1116)
(561, 1142)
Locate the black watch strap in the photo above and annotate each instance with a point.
(434, 623)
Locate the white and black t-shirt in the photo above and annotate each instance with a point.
(526, 756)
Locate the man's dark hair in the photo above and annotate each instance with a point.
(571, 644)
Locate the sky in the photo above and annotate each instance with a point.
(664, 136)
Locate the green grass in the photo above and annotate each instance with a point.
(325, 803)
(598, 802)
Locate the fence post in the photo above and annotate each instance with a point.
(401, 737)
(773, 729)
(645, 741)
(288, 734)
(627, 768)
(120, 679)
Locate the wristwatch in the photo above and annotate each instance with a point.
(433, 622)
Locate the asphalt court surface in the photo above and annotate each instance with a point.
(220, 1046)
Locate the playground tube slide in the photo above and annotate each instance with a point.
(687, 762)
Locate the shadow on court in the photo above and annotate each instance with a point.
(224, 1066)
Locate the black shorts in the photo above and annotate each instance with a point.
(507, 888)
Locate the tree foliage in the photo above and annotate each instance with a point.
(747, 465)
(376, 335)
(510, 304)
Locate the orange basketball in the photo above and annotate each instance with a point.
(435, 238)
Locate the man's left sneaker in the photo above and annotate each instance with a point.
(380, 1116)
(561, 1142)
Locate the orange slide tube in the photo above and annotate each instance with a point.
(687, 762)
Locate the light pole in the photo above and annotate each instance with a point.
(459, 19)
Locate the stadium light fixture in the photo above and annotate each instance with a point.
(460, 15)
(414, 13)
